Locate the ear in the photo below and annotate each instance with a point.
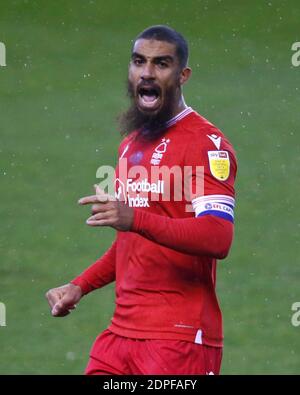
(185, 75)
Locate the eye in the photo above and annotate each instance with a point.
(162, 64)
(137, 61)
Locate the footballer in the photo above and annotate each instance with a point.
(170, 231)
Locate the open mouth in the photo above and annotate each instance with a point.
(148, 97)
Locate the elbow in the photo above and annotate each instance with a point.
(223, 243)
(222, 252)
(218, 249)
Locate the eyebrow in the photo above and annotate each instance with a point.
(167, 58)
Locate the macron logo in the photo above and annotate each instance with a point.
(215, 139)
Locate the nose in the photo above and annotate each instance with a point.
(148, 72)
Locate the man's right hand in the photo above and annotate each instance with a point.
(63, 299)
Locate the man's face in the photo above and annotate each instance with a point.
(153, 73)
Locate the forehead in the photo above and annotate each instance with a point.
(154, 48)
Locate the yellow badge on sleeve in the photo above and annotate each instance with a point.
(219, 164)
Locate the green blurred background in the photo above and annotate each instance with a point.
(60, 93)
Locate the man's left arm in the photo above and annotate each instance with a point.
(210, 233)
(207, 235)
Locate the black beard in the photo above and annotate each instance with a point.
(148, 126)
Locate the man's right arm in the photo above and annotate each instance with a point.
(100, 273)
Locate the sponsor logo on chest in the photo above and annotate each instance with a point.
(135, 193)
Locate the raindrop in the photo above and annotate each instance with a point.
(70, 356)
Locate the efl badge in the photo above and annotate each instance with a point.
(219, 164)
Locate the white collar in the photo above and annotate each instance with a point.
(179, 116)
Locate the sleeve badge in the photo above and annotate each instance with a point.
(219, 164)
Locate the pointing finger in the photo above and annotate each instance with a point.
(92, 199)
(88, 200)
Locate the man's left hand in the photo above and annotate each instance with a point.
(107, 211)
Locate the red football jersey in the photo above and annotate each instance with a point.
(163, 292)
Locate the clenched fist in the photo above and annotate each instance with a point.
(63, 299)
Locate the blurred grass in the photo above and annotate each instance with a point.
(60, 93)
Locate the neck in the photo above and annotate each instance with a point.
(181, 105)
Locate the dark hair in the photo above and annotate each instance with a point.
(165, 33)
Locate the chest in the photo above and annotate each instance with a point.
(150, 173)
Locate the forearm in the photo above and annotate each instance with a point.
(207, 235)
(99, 274)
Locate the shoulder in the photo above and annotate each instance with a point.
(201, 133)
(206, 144)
